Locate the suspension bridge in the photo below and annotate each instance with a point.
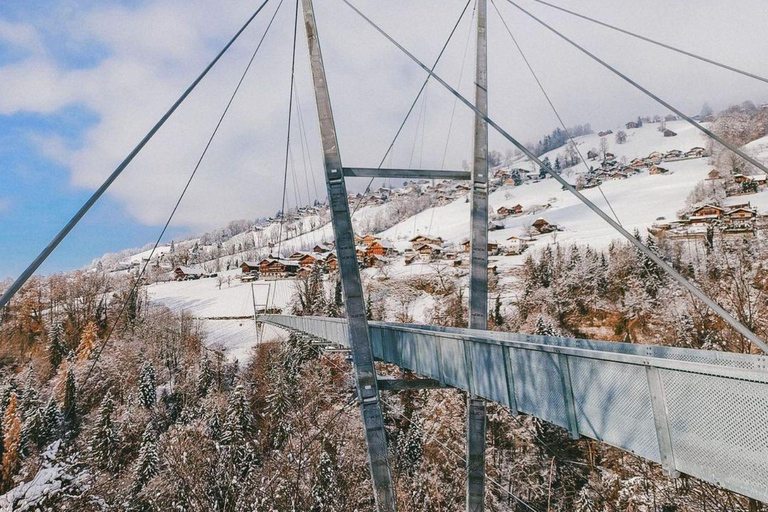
(694, 412)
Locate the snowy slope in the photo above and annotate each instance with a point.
(638, 200)
(217, 307)
(640, 142)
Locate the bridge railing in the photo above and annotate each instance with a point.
(701, 413)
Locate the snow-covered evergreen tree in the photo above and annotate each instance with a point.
(148, 462)
(56, 348)
(545, 328)
(326, 495)
(51, 422)
(147, 386)
(71, 420)
(32, 417)
(105, 438)
(237, 423)
(205, 379)
(410, 448)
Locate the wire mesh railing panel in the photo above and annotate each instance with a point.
(728, 359)
(719, 429)
(539, 385)
(613, 405)
(489, 372)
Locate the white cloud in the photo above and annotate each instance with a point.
(155, 49)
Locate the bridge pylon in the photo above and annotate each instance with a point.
(341, 219)
(478, 284)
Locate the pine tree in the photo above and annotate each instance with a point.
(544, 328)
(148, 463)
(70, 414)
(205, 379)
(105, 439)
(56, 349)
(11, 442)
(147, 386)
(87, 341)
(368, 307)
(51, 422)
(326, 495)
(497, 318)
(32, 414)
(237, 423)
(411, 446)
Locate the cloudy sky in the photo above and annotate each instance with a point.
(81, 81)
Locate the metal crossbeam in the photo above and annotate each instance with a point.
(696, 412)
(478, 284)
(362, 354)
(409, 384)
(410, 174)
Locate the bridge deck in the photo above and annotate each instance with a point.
(697, 412)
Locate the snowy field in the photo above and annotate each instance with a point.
(226, 313)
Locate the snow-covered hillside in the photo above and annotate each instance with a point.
(638, 201)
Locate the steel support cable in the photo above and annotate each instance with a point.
(645, 91)
(137, 282)
(19, 282)
(288, 135)
(551, 104)
(287, 142)
(453, 109)
(413, 105)
(657, 43)
(738, 326)
(306, 145)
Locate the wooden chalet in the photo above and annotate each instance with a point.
(424, 239)
(249, 266)
(713, 175)
(632, 124)
(183, 273)
(706, 213)
(506, 211)
(669, 133)
(432, 250)
(674, 153)
(381, 248)
(278, 268)
(696, 152)
(656, 169)
(591, 155)
(322, 248)
(542, 226)
(741, 214)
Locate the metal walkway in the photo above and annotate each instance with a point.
(696, 412)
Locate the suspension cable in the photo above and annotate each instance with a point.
(288, 135)
(19, 282)
(137, 282)
(733, 322)
(648, 93)
(552, 105)
(413, 105)
(657, 43)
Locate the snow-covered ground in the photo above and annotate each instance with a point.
(226, 313)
